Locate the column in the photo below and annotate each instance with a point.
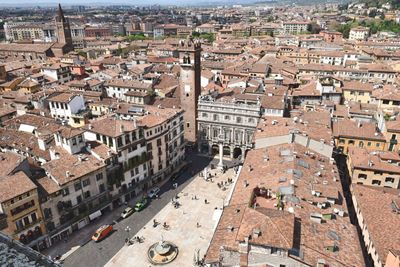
(221, 154)
(243, 153)
(231, 150)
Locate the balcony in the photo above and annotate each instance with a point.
(25, 227)
(71, 218)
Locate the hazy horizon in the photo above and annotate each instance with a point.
(26, 3)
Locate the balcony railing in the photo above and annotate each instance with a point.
(22, 208)
(27, 226)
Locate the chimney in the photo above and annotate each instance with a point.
(80, 158)
(256, 233)
(359, 124)
(121, 128)
(90, 127)
(67, 174)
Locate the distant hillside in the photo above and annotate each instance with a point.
(379, 3)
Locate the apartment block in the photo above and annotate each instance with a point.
(68, 107)
(126, 139)
(293, 27)
(359, 34)
(131, 91)
(59, 73)
(350, 133)
(375, 207)
(75, 191)
(374, 168)
(20, 212)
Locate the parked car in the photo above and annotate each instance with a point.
(141, 204)
(102, 232)
(128, 211)
(153, 192)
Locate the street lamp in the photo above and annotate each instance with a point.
(127, 229)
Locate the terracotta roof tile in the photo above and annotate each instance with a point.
(15, 185)
(382, 222)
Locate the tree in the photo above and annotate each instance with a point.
(136, 37)
(82, 53)
(313, 28)
(345, 29)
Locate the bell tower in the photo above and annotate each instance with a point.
(190, 86)
(63, 30)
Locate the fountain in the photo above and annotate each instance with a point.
(162, 252)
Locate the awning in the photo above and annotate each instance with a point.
(95, 215)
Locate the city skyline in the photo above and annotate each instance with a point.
(25, 3)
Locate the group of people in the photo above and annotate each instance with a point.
(165, 225)
(137, 239)
(222, 184)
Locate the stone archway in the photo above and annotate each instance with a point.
(237, 152)
(215, 149)
(226, 151)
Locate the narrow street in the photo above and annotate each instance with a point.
(346, 181)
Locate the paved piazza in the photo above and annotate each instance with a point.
(183, 229)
